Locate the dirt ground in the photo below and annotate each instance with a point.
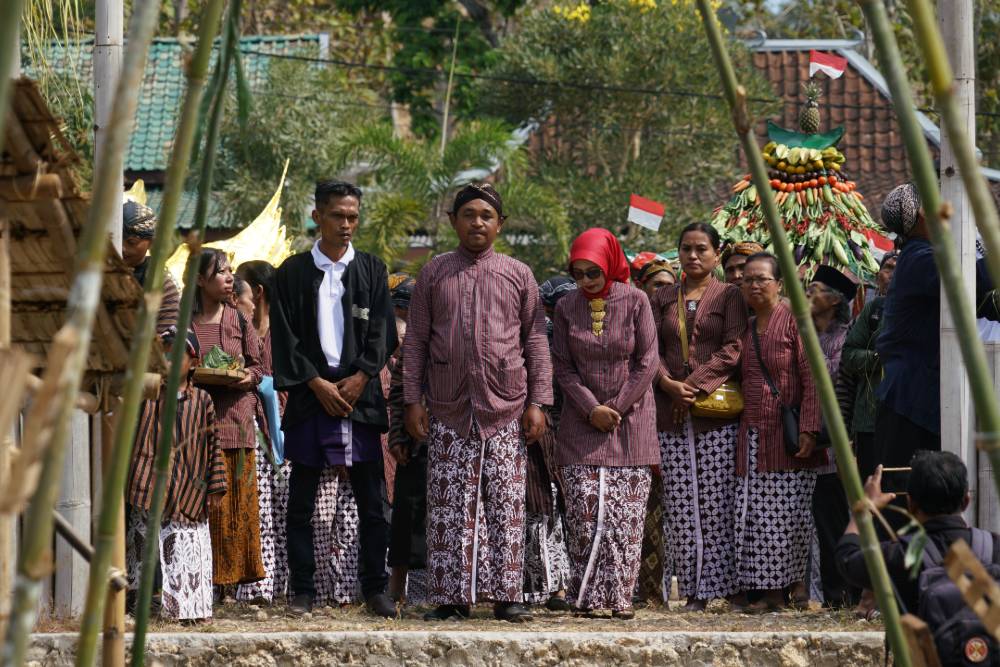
(247, 618)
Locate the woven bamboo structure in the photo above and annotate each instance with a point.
(45, 210)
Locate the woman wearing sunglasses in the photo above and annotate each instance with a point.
(605, 360)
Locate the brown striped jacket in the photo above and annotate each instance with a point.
(235, 408)
(614, 369)
(197, 469)
(475, 342)
(714, 345)
(788, 366)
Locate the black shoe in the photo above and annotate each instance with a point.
(513, 612)
(448, 612)
(301, 604)
(381, 605)
(556, 603)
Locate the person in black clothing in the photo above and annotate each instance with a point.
(938, 493)
(333, 330)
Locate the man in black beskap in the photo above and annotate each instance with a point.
(333, 330)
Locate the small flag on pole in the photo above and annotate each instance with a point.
(645, 212)
(831, 65)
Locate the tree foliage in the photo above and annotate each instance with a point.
(409, 183)
(624, 98)
(423, 35)
(301, 115)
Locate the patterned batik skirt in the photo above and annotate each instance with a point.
(272, 493)
(335, 541)
(605, 512)
(699, 474)
(185, 564)
(546, 563)
(475, 515)
(774, 524)
(235, 523)
(650, 586)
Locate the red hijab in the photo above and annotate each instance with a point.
(602, 248)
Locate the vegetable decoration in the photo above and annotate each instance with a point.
(823, 213)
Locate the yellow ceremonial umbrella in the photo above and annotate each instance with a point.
(263, 239)
(137, 192)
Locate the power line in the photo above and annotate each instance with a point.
(527, 81)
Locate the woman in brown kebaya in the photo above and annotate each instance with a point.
(604, 358)
(698, 453)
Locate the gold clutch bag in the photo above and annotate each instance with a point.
(726, 402)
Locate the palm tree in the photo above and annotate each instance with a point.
(410, 182)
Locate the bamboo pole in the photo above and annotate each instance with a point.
(737, 99)
(113, 650)
(181, 151)
(10, 19)
(124, 434)
(981, 199)
(67, 360)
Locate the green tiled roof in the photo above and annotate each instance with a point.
(185, 211)
(163, 86)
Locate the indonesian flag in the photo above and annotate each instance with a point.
(645, 212)
(831, 65)
(878, 243)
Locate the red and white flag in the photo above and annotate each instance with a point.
(831, 65)
(879, 244)
(645, 212)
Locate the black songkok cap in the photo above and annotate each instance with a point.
(483, 191)
(837, 281)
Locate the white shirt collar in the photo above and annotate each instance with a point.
(324, 263)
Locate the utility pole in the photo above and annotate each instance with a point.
(108, 40)
(957, 420)
(108, 46)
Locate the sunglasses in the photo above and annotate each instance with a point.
(589, 274)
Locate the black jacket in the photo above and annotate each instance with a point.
(369, 335)
(943, 530)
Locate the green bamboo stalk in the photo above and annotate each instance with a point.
(68, 356)
(983, 206)
(112, 495)
(737, 98)
(165, 444)
(10, 25)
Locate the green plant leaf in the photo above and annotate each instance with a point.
(915, 553)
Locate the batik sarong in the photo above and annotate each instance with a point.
(335, 541)
(546, 563)
(774, 524)
(475, 515)
(698, 472)
(185, 564)
(271, 525)
(605, 508)
(235, 523)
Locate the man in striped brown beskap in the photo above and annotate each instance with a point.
(476, 351)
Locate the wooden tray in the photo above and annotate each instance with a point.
(218, 376)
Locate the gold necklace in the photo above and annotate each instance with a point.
(597, 314)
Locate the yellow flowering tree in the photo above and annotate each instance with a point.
(624, 96)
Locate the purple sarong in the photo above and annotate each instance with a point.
(323, 441)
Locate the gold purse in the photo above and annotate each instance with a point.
(726, 402)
